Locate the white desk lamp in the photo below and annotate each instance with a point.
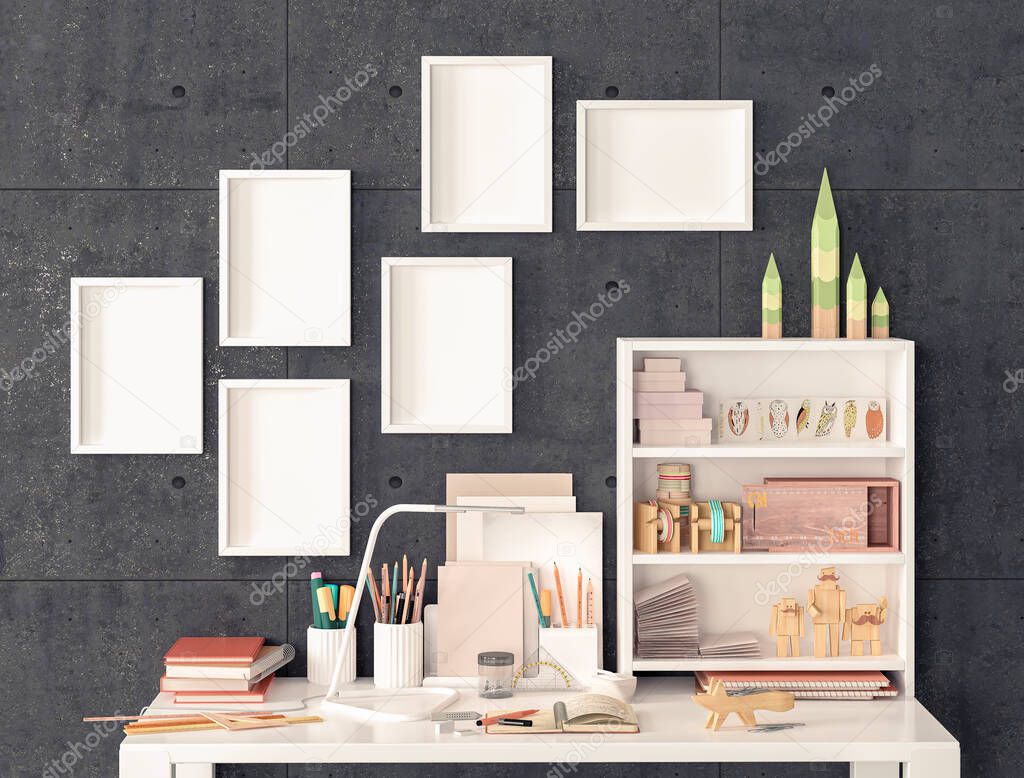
(409, 704)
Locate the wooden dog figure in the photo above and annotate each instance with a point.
(720, 704)
(863, 625)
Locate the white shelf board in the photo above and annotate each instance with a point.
(756, 451)
(766, 558)
(872, 345)
(890, 662)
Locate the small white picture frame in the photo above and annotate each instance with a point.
(136, 365)
(664, 165)
(285, 258)
(486, 144)
(284, 467)
(446, 345)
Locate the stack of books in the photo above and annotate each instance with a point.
(665, 621)
(222, 670)
(810, 685)
(735, 645)
(666, 413)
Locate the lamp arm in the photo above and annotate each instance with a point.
(364, 569)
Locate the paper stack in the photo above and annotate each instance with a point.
(665, 620)
(735, 645)
(666, 413)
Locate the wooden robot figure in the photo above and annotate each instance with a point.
(826, 603)
(788, 626)
(863, 625)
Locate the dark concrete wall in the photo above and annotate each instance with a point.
(107, 167)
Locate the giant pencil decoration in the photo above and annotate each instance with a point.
(856, 302)
(825, 265)
(771, 301)
(880, 316)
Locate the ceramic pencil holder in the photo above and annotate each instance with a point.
(323, 646)
(397, 655)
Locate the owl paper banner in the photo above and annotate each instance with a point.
(833, 420)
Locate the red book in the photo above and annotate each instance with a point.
(207, 651)
(257, 694)
(204, 684)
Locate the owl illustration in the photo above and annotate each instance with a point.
(803, 416)
(739, 417)
(778, 418)
(826, 420)
(874, 420)
(849, 417)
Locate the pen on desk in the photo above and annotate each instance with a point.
(579, 598)
(485, 722)
(561, 598)
(516, 722)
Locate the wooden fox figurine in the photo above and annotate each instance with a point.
(720, 704)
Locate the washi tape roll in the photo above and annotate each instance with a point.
(717, 521)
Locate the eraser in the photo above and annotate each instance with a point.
(444, 727)
(466, 732)
(317, 575)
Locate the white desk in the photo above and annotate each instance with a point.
(875, 737)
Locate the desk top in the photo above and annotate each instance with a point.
(671, 730)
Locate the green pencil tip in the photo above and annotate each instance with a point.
(856, 271)
(772, 271)
(880, 297)
(825, 208)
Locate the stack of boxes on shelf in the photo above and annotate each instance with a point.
(665, 412)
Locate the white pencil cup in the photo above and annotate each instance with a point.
(397, 655)
(323, 646)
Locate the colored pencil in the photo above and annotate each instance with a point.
(590, 602)
(408, 595)
(486, 722)
(561, 597)
(394, 590)
(579, 599)
(417, 611)
(374, 595)
(536, 598)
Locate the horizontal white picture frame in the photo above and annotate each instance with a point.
(136, 365)
(284, 467)
(446, 345)
(664, 165)
(285, 258)
(486, 144)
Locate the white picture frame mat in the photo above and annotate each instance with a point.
(284, 467)
(487, 144)
(573, 540)
(665, 165)
(446, 339)
(136, 365)
(286, 258)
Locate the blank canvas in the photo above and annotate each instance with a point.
(486, 144)
(284, 467)
(446, 345)
(285, 257)
(136, 365)
(664, 165)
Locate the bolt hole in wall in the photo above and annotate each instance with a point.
(395, 91)
(611, 286)
(612, 92)
(610, 482)
(178, 482)
(178, 91)
(827, 91)
(395, 482)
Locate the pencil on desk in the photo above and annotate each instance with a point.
(385, 587)
(590, 602)
(405, 574)
(561, 597)
(408, 596)
(394, 593)
(417, 611)
(374, 595)
(579, 599)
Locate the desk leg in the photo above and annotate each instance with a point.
(933, 763)
(874, 770)
(143, 764)
(194, 770)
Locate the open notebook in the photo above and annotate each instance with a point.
(583, 713)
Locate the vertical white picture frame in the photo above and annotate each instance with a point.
(285, 258)
(136, 365)
(283, 470)
(486, 144)
(664, 165)
(446, 345)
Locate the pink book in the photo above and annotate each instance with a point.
(689, 397)
(675, 438)
(685, 425)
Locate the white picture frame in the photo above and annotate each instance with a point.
(136, 365)
(486, 144)
(283, 470)
(285, 258)
(664, 165)
(446, 345)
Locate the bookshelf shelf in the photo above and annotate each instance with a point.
(886, 662)
(735, 591)
(769, 452)
(772, 559)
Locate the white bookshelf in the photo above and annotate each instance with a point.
(736, 591)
